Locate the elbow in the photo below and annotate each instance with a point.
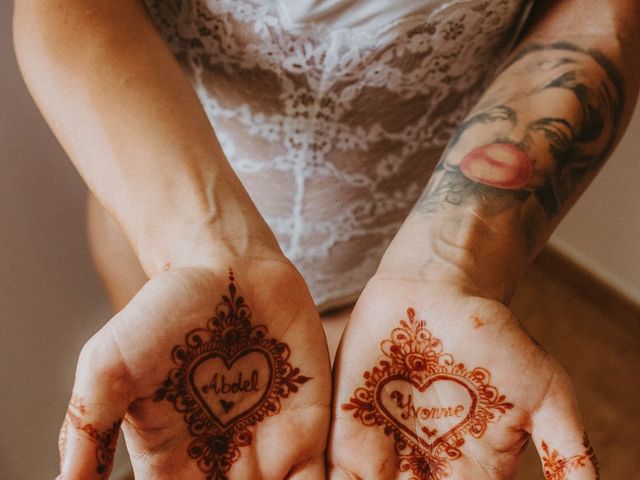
(37, 22)
(42, 30)
(59, 43)
(26, 16)
(66, 32)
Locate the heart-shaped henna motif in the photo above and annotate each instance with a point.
(245, 381)
(428, 412)
(226, 406)
(425, 400)
(228, 377)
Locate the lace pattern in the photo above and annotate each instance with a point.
(335, 131)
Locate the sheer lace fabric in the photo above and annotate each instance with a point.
(333, 117)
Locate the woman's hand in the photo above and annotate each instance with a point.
(212, 374)
(434, 383)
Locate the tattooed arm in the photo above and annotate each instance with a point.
(434, 370)
(532, 144)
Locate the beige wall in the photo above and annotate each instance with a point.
(51, 302)
(602, 231)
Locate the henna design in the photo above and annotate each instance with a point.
(477, 321)
(218, 388)
(557, 467)
(105, 441)
(106, 446)
(591, 455)
(426, 438)
(74, 404)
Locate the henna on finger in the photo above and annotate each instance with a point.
(426, 401)
(558, 467)
(105, 440)
(229, 376)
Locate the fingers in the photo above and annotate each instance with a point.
(87, 444)
(559, 435)
(91, 426)
(311, 470)
(337, 473)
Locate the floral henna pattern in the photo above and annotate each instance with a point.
(591, 455)
(105, 446)
(229, 376)
(105, 441)
(557, 467)
(425, 400)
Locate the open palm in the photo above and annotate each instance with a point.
(213, 375)
(433, 383)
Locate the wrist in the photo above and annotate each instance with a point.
(206, 244)
(463, 250)
(198, 230)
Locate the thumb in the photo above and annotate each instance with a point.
(559, 435)
(90, 430)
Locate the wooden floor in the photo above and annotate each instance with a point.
(595, 335)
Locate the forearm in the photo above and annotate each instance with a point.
(128, 118)
(532, 144)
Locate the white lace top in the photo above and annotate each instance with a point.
(333, 113)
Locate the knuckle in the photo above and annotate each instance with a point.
(563, 378)
(91, 352)
(99, 357)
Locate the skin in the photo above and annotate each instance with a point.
(528, 148)
(101, 68)
(177, 218)
(537, 389)
(114, 365)
(509, 174)
(557, 467)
